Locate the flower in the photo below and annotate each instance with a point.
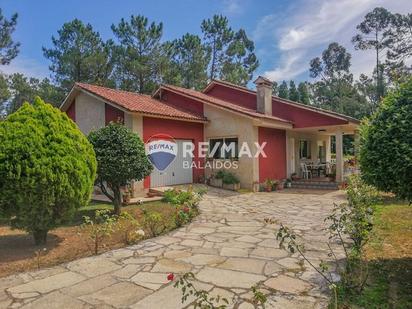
(140, 232)
(170, 277)
(186, 209)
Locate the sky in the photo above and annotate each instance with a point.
(287, 33)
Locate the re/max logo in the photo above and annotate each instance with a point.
(161, 146)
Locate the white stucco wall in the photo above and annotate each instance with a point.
(90, 113)
(226, 124)
(135, 123)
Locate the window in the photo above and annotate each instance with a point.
(224, 148)
(304, 149)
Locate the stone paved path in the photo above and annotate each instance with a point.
(228, 247)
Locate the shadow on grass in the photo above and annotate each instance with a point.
(16, 247)
(88, 211)
(389, 285)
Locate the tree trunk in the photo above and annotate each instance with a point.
(40, 237)
(117, 200)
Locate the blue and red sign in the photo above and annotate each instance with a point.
(161, 150)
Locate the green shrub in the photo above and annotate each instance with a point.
(177, 197)
(189, 197)
(153, 223)
(121, 158)
(386, 144)
(357, 215)
(99, 228)
(183, 215)
(47, 168)
(228, 178)
(129, 227)
(220, 174)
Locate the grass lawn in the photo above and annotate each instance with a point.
(389, 254)
(67, 242)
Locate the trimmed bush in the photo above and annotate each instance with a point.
(47, 168)
(228, 178)
(386, 144)
(121, 158)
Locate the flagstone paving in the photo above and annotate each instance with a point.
(228, 247)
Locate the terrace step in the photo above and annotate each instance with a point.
(159, 191)
(319, 185)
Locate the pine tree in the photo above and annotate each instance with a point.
(8, 51)
(303, 93)
(8, 48)
(79, 55)
(399, 45)
(373, 35)
(335, 90)
(283, 91)
(275, 89)
(217, 35)
(190, 58)
(293, 92)
(4, 95)
(139, 54)
(232, 53)
(25, 89)
(241, 61)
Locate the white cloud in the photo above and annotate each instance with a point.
(27, 66)
(302, 33)
(232, 7)
(289, 67)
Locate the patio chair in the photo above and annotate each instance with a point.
(306, 173)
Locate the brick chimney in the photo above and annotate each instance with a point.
(264, 95)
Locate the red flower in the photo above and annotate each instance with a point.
(186, 209)
(170, 277)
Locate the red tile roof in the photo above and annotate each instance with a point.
(297, 104)
(222, 103)
(140, 103)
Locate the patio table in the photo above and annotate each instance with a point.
(317, 168)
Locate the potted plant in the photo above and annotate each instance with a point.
(280, 184)
(275, 183)
(288, 183)
(217, 180)
(268, 185)
(230, 182)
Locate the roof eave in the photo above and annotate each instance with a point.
(63, 107)
(282, 123)
(297, 104)
(76, 88)
(153, 115)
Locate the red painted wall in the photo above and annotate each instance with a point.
(113, 114)
(303, 118)
(182, 102)
(234, 96)
(178, 130)
(71, 111)
(274, 165)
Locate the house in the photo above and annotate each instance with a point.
(293, 133)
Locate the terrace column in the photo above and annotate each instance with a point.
(339, 156)
(356, 145)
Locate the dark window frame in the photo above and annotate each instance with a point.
(305, 151)
(224, 140)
